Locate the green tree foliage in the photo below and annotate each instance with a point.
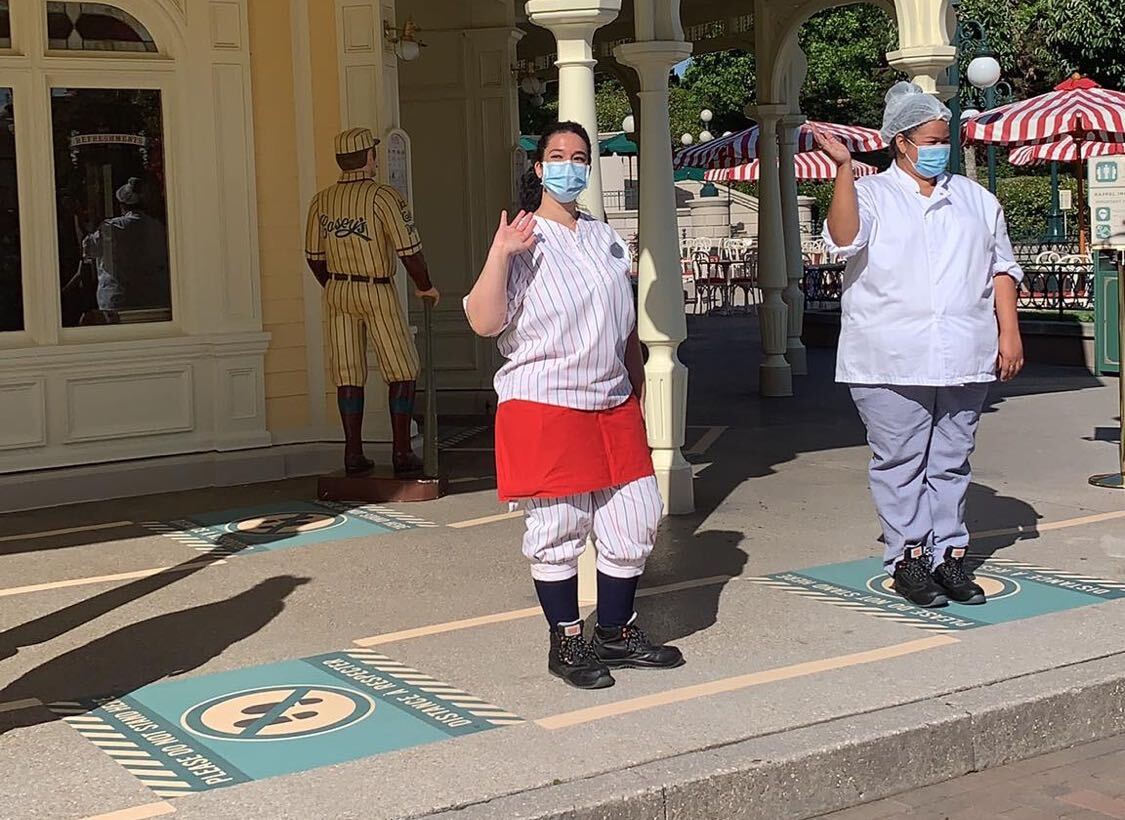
(1087, 37)
(722, 82)
(1027, 202)
(848, 73)
(613, 105)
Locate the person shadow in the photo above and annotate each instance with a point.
(708, 560)
(147, 651)
(996, 522)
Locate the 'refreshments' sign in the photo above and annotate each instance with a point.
(1106, 188)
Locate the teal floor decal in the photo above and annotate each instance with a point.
(283, 525)
(1015, 590)
(204, 733)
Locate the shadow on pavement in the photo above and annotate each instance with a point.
(147, 651)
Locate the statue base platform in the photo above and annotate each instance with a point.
(379, 486)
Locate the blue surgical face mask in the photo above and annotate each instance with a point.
(565, 180)
(932, 159)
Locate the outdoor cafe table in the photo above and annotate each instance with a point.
(715, 268)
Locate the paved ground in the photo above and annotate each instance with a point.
(402, 611)
(1087, 781)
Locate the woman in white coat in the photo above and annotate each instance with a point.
(929, 320)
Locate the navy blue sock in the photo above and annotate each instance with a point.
(615, 599)
(559, 600)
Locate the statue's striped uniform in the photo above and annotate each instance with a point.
(359, 228)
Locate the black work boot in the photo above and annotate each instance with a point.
(952, 577)
(914, 582)
(572, 659)
(627, 647)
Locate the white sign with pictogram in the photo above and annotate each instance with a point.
(1106, 186)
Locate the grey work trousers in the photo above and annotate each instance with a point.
(921, 439)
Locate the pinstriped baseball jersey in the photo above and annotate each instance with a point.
(359, 227)
(570, 314)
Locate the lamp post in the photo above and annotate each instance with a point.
(984, 74)
(629, 126)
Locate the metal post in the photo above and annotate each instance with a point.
(989, 104)
(1116, 481)
(955, 102)
(1056, 231)
(429, 434)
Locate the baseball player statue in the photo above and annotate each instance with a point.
(356, 230)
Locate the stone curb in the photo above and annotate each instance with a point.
(806, 772)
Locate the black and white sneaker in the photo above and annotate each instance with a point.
(572, 659)
(914, 582)
(958, 584)
(628, 647)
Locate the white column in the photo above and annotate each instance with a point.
(775, 375)
(660, 321)
(794, 259)
(925, 34)
(573, 22)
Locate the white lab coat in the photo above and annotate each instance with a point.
(918, 301)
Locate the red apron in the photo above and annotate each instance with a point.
(544, 451)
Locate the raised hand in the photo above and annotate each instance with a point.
(827, 142)
(517, 237)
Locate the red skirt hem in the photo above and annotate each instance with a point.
(546, 451)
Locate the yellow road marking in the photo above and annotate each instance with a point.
(488, 519)
(101, 579)
(684, 693)
(451, 626)
(138, 812)
(517, 614)
(30, 536)
(705, 441)
(19, 705)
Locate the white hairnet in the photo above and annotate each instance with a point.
(909, 106)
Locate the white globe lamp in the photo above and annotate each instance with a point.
(408, 50)
(984, 71)
(706, 136)
(628, 125)
(687, 139)
(705, 115)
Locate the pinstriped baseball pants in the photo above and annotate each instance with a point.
(354, 310)
(622, 520)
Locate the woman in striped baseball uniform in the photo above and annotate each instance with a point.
(570, 437)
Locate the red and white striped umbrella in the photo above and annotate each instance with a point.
(1066, 149)
(809, 166)
(742, 147)
(1078, 107)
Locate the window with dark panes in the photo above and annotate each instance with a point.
(5, 25)
(94, 27)
(11, 271)
(110, 205)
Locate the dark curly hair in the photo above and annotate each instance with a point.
(530, 187)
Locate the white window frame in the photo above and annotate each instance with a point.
(31, 70)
